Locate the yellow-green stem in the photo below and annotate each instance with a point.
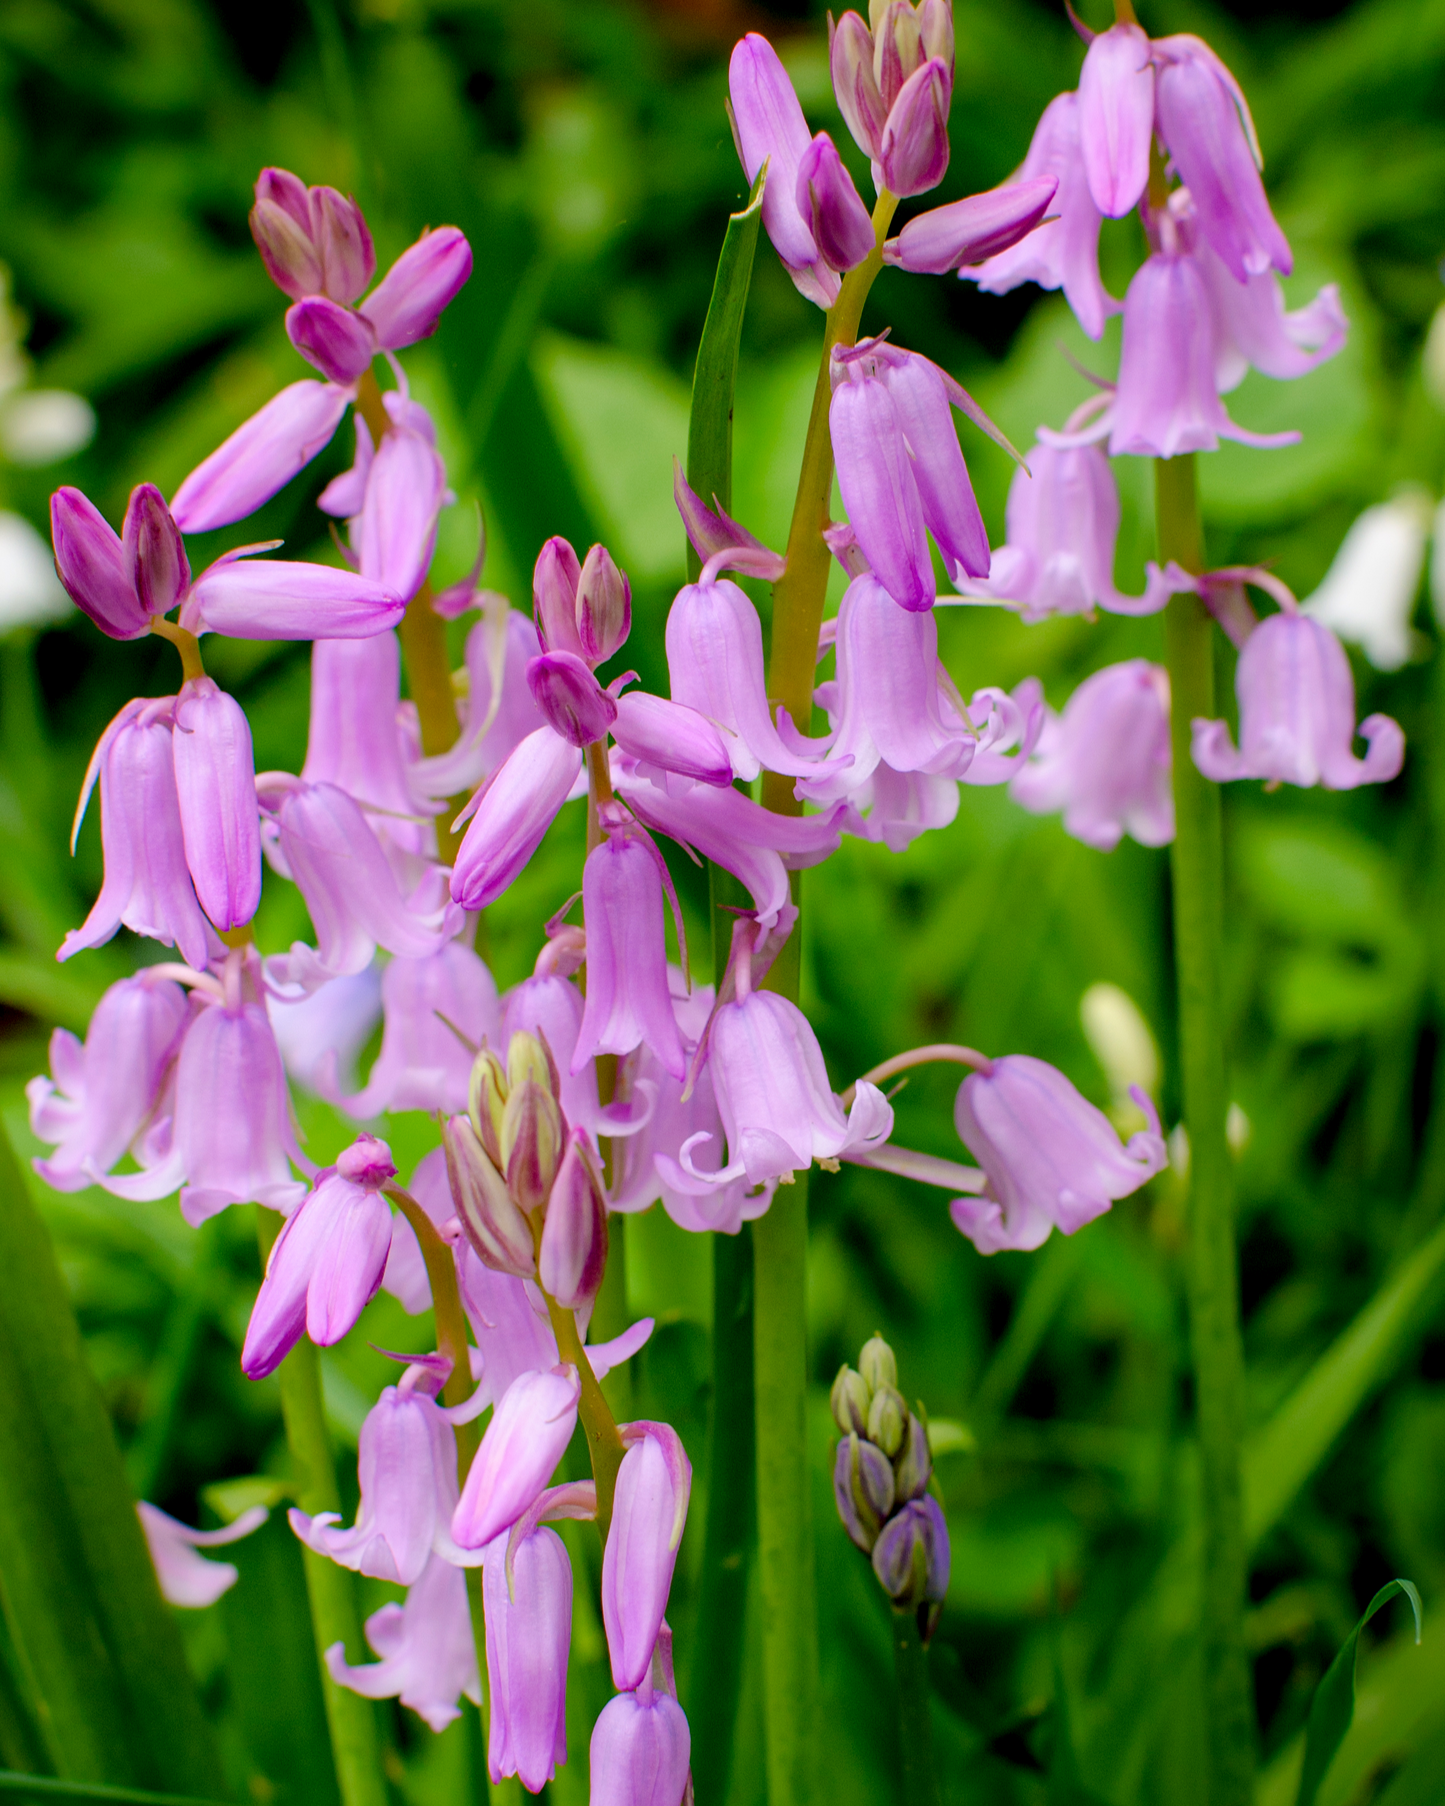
(604, 1443)
(1197, 864)
(331, 1589)
(185, 643)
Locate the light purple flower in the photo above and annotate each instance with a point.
(313, 241)
(530, 1429)
(186, 1578)
(831, 208)
(338, 341)
(216, 789)
(102, 1094)
(147, 884)
(1297, 715)
(322, 1033)
(499, 711)
(406, 484)
(328, 1260)
(261, 456)
(603, 606)
(554, 597)
(529, 1631)
(912, 1558)
(512, 813)
(354, 739)
(569, 698)
(1064, 253)
(273, 599)
(894, 84)
(411, 297)
(895, 807)
(1106, 761)
(974, 229)
(573, 1250)
(95, 567)
(1116, 117)
(913, 154)
(648, 1515)
(641, 1748)
(664, 736)
(1253, 328)
(627, 992)
(428, 1654)
(1051, 1158)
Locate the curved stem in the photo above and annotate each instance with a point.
(1197, 866)
(451, 1319)
(915, 1733)
(185, 643)
(604, 1444)
(938, 1052)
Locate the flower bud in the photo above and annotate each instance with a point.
(529, 1057)
(877, 1365)
(490, 1219)
(281, 227)
(911, 1556)
(850, 1399)
(92, 564)
(914, 152)
(216, 790)
(850, 57)
(486, 1100)
(413, 294)
(831, 207)
(897, 49)
(554, 597)
(343, 244)
(573, 1251)
(935, 28)
(862, 1489)
(532, 1136)
(913, 1464)
(152, 540)
(574, 703)
(888, 1420)
(333, 338)
(603, 606)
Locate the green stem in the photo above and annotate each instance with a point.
(604, 1444)
(335, 1617)
(915, 1733)
(1197, 866)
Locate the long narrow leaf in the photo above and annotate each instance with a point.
(1333, 1706)
(44, 1787)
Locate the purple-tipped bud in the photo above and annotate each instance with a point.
(410, 298)
(603, 607)
(532, 1139)
(877, 1364)
(898, 49)
(668, 736)
(648, 1515)
(94, 566)
(935, 28)
(489, 1218)
(968, 231)
(339, 230)
(888, 1420)
(862, 1489)
(640, 1752)
(831, 207)
(574, 1235)
(850, 56)
(554, 597)
(281, 227)
(1116, 117)
(528, 1435)
(159, 567)
(912, 1558)
(850, 1399)
(514, 813)
(216, 785)
(333, 338)
(913, 1464)
(914, 152)
(572, 701)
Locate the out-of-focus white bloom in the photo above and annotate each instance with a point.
(1368, 593)
(29, 588)
(1122, 1043)
(1433, 358)
(42, 426)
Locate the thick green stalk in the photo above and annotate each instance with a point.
(1198, 882)
(335, 1617)
(919, 1784)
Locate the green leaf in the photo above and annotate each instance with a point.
(97, 1652)
(43, 1787)
(1333, 1705)
(714, 376)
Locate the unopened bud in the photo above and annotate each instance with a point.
(573, 1251)
(935, 27)
(334, 338)
(343, 243)
(911, 1556)
(897, 49)
(281, 227)
(914, 152)
(574, 703)
(850, 59)
(159, 567)
(850, 1399)
(832, 207)
(913, 1463)
(877, 1364)
(554, 597)
(529, 1057)
(486, 1100)
(863, 1489)
(888, 1420)
(604, 606)
(490, 1219)
(532, 1135)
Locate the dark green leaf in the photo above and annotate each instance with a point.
(1333, 1705)
(43, 1787)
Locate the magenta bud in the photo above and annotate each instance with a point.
(281, 227)
(333, 338)
(648, 1516)
(850, 57)
(411, 297)
(1116, 117)
(570, 697)
(911, 1557)
(968, 231)
(348, 260)
(603, 606)
(528, 1435)
(159, 568)
(554, 597)
(914, 152)
(92, 564)
(862, 1489)
(574, 1233)
(216, 785)
(492, 1223)
(831, 207)
(671, 737)
(640, 1751)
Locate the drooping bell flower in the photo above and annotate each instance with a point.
(649, 1512)
(1297, 715)
(1063, 524)
(1253, 329)
(353, 740)
(102, 1094)
(406, 485)
(640, 1752)
(407, 1471)
(1063, 253)
(1052, 1159)
(1106, 762)
(313, 241)
(529, 1633)
(901, 468)
(530, 1429)
(186, 1578)
(498, 712)
(512, 814)
(321, 1033)
(894, 83)
(216, 789)
(328, 1260)
(147, 885)
(1368, 594)
(1116, 117)
(628, 1001)
(427, 1650)
(894, 807)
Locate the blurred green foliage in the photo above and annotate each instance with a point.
(582, 146)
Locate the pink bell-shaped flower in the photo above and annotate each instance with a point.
(186, 1578)
(628, 1001)
(1116, 117)
(428, 1654)
(530, 1429)
(216, 790)
(529, 1632)
(512, 814)
(641, 1748)
(648, 1516)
